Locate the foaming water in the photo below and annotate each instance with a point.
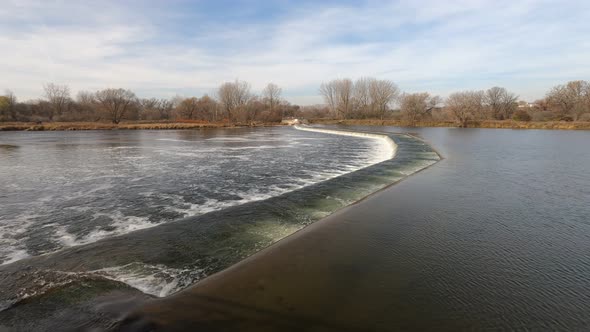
(78, 188)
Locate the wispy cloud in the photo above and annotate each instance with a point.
(162, 48)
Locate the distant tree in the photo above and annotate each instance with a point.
(500, 102)
(188, 107)
(272, 95)
(207, 108)
(116, 102)
(362, 102)
(521, 115)
(571, 100)
(417, 106)
(383, 93)
(465, 106)
(328, 92)
(8, 106)
(339, 95)
(233, 97)
(58, 97)
(165, 108)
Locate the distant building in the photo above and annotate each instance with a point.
(290, 121)
(524, 104)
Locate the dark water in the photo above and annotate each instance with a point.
(494, 237)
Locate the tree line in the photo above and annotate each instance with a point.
(373, 98)
(233, 102)
(364, 98)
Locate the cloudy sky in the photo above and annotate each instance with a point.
(169, 47)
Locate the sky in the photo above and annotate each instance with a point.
(188, 48)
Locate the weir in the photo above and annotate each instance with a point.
(384, 137)
(175, 255)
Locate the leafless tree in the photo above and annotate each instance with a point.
(188, 108)
(58, 97)
(501, 103)
(363, 103)
(466, 105)
(272, 95)
(344, 89)
(383, 93)
(328, 92)
(417, 106)
(207, 108)
(233, 96)
(571, 100)
(8, 106)
(116, 102)
(165, 108)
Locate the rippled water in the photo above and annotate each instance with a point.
(63, 189)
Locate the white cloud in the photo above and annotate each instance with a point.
(526, 46)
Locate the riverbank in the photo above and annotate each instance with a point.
(138, 125)
(506, 124)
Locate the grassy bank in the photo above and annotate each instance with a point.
(507, 124)
(53, 126)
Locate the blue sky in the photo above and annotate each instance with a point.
(164, 48)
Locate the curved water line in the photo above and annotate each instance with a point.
(387, 139)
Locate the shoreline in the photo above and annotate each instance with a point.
(486, 124)
(135, 125)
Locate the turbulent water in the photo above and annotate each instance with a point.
(71, 188)
(91, 213)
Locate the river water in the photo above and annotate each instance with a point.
(152, 212)
(494, 236)
(63, 189)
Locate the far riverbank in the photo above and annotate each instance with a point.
(506, 124)
(133, 125)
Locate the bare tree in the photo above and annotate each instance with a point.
(165, 108)
(571, 100)
(501, 103)
(383, 93)
(466, 105)
(86, 107)
(233, 96)
(116, 102)
(58, 97)
(207, 108)
(272, 95)
(417, 106)
(344, 93)
(363, 103)
(328, 91)
(8, 106)
(188, 108)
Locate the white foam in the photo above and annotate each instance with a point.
(157, 280)
(15, 255)
(121, 225)
(387, 148)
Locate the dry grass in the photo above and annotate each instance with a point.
(507, 124)
(53, 126)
